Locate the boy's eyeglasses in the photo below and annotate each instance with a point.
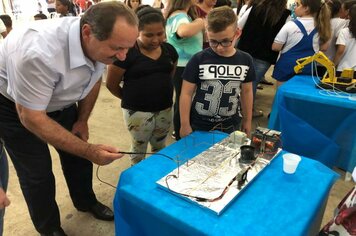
(225, 43)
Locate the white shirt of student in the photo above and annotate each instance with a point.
(43, 66)
(290, 34)
(2, 30)
(348, 60)
(336, 25)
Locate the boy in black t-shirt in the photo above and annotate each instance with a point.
(220, 78)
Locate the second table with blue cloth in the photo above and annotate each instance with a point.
(272, 204)
(316, 123)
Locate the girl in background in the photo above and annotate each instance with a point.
(301, 37)
(345, 56)
(133, 4)
(345, 7)
(185, 32)
(65, 8)
(260, 24)
(336, 25)
(147, 90)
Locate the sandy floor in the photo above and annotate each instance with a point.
(106, 126)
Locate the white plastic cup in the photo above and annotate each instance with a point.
(290, 162)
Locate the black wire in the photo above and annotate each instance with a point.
(143, 153)
(152, 153)
(97, 176)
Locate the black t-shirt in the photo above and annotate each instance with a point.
(257, 37)
(147, 83)
(218, 79)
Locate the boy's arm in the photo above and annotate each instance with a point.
(185, 103)
(246, 105)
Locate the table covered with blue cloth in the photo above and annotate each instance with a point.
(274, 203)
(315, 123)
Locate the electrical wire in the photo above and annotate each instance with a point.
(143, 153)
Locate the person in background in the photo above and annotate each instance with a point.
(40, 16)
(4, 175)
(49, 81)
(51, 6)
(7, 22)
(220, 3)
(345, 56)
(158, 4)
(345, 7)
(184, 30)
(243, 8)
(3, 32)
(344, 221)
(147, 91)
(336, 25)
(5, 26)
(217, 82)
(133, 4)
(65, 8)
(301, 38)
(260, 24)
(203, 7)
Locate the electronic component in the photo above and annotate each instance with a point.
(266, 142)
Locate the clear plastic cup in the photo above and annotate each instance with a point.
(290, 162)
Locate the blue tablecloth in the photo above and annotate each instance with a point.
(315, 124)
(273, 204)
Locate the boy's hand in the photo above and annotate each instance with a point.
(4, 201)
(246, 127)
(185, 131)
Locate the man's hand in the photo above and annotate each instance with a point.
(102, 154)
(4, 201)
(81, 130)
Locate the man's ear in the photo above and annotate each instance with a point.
(86, 31)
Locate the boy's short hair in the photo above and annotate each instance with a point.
(220, 18)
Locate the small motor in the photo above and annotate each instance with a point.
(266, 141)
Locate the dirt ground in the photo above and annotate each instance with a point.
(106, 126)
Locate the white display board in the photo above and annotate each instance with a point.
(213, 178)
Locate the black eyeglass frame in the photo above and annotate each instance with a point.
(225, 44)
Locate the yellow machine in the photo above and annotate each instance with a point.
(346, 82)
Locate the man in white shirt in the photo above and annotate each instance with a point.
(50, 75)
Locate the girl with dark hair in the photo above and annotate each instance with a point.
(345, 7)
(133, 4)
(345, 56)
(301, 38)
(65, 8)
(336, 25)
(260, 24)
(185, 32)
(147, 90)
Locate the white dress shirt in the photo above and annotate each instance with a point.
(43, 66)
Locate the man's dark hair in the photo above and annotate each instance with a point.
(41, 16)
(7, 20)
(102, 16)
